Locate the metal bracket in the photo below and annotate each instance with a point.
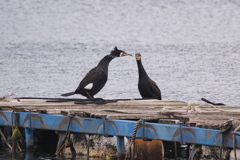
(144, 130)
(30, 118)
(12, 118)
(181, 132)
(104, 126)
(71, 115)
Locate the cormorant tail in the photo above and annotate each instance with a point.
(68, 94)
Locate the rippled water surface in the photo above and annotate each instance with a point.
(190, 48)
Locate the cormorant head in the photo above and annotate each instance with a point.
(118, 53)
(138, 56)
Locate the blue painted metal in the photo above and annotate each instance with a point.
(29, 139)
(143, 129)
(104, 125)
(181, 132)
(120, 146)
(111, 127)
(30, 119)
(29, 132)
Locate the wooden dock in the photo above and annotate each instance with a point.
(173, 121)
(189, 113)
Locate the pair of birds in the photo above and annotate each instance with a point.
(97, 77)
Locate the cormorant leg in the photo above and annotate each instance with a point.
(89, 96)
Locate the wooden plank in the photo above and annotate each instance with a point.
(189, 113)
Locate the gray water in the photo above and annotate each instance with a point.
(190, 48)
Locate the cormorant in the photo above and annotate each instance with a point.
(97, 77)
(146, 86)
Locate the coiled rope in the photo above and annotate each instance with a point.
(131, 148)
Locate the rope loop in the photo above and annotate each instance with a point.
(131, 148)
(67, 141)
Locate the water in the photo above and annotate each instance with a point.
(189, 48)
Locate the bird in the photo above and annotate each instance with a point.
(97, 77)
(147, 87)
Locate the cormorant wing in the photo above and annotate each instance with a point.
(91, 77)
(154, 88)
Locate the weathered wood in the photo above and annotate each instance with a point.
(189, 113)
(44, 111)
(173, 121)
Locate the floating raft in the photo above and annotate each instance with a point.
(174, 121)
(127, 109)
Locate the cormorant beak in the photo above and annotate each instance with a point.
(137, 57)
(124, 54)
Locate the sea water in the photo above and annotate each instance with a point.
(191, 49)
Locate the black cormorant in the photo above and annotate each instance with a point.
(97, 77)
(146, 86)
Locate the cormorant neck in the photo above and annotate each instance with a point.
(141, 69)
(105, 61)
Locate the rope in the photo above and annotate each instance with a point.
(234, 142)
(224, 127)
(130, 152)
(188, 109)
(67, 136)
(227, 126)
(131, 148)
(194, 151)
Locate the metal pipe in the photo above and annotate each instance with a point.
(30, 118)
(120, 146)
(29, 139)
(181, 132)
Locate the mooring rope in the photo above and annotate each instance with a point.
(67, 136)
(131, 148)
(194, 151)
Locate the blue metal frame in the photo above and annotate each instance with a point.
(119, 128)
